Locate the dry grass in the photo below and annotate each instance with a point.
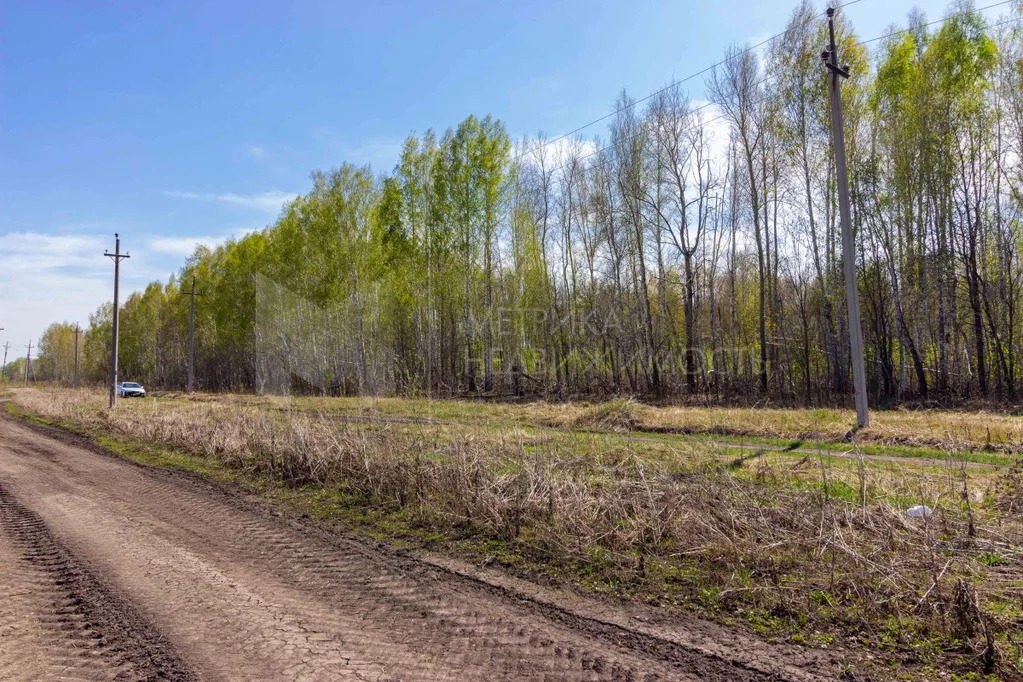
(967, 430)
(800, 547)
(614, 415)
(933, 428)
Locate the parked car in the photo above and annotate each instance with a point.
(129, 389)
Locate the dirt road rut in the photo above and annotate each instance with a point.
(112, 571)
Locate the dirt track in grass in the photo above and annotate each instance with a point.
(115, 571)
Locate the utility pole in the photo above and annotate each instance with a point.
(28, 362)
(117, 256)
(4, 366)
(78, 331)
(191, 337)
(852, 296)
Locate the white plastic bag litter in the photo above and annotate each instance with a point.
(920, 511)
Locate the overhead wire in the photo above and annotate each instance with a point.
(903, 31)
(674, 84)
(763, 81)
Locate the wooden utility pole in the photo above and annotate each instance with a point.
(28, 362)
(852, 296)
(78, 330)
(117, 257)
(4, 366)
(191, 338)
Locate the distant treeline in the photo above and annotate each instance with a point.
(694, 251)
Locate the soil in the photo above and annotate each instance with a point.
(111, 570)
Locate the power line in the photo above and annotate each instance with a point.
(1003, 22)
(903, 31)
(764, 81)
(643, 130)
(723, 157)
(675, 84)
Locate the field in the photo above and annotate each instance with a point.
(765, 519)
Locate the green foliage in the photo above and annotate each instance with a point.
(642, 265)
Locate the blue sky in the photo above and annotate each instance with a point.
(177, 122)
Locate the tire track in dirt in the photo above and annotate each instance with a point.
(242, 594)
(58, 622)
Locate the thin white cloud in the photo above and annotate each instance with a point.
(556, 152)
(268, 202)
(256, 151)
(181, 246)
(717, 130)
(561, 151)
(47, 250)
(46, 278)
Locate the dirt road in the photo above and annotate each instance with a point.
(112, 571)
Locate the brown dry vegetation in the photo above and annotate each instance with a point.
(993, 430)
(936, 428)
(803, 547)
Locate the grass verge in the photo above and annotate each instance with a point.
(816, 559)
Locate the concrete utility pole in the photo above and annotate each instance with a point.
(4, 366)
(117, 256)
(78, 331)
(28, 362)
(852, 295)
(191, 337)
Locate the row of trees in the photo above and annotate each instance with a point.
(54, 357)
(693, 251)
